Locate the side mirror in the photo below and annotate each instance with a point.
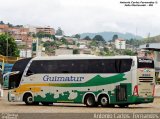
(10, 73)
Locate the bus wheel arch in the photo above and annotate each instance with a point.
(28, 98)
(90, 100)
(103, 99)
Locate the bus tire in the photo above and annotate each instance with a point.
(36, 103)
(89, 101)
(123, 105)
(103, 100)
(47, 103)
(28, 99)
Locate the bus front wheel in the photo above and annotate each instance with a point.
(90, 101)
(28, 99)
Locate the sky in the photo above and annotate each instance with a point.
(80, 16)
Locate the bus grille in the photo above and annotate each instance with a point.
(146, 79)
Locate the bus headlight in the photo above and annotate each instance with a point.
(12, 95)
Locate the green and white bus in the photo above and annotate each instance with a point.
(86, 79)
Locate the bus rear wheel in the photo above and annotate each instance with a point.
(90, 101)
(123, 105)
(47, 103)
(103, 101)
(28, 99)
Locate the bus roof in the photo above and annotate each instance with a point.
(67, 57)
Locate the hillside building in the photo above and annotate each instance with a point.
(47, 30)
(120, 44)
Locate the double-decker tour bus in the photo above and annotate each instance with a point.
(87, 79)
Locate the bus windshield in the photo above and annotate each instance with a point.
(145, 63)
(20, 65)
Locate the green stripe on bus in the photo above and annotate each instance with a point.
(96, 81)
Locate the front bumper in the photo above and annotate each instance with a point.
(1, 93)
(12, 97)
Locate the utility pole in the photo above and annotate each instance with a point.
(26, 46)
(120, 43)
(37, 46)
(7, 47)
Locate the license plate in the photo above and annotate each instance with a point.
(145, 99)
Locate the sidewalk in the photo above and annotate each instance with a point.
(157, 91)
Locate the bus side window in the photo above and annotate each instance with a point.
(33, 68)
(125, 65)
(95, 66)
(118, 65)
(109, 66)
(64, 66)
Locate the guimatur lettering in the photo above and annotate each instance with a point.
(60, 78)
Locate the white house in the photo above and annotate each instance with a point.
(120, 44)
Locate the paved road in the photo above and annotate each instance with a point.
(20, 107)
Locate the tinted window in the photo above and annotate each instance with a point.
(95, 66)
(145, 63)
(42, 67)
(81, 66)
(125, 65)
(109, 66)
(78, 66)
(20, 65)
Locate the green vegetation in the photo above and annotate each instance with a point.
(113, 52)
(64, 41)
(128, 52)
(87, 38)
(44, 35)
(98, 38)
(155, 39)
(135, 42)
(114, 37)
(59, 32)
(94, 43)
(1, 22)
(12, 46)
(77, 36)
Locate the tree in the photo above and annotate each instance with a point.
(59, 32)
(98, 38)
(115, 36)
(64, 41)
(1, 22)
(128, 52)
(93, 43)
(10, 25)
(87, 38)
(44, 35)
(77, 36)
(12, 46)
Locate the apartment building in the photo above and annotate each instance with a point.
(20, 34)
(3, 28)
(47, 30)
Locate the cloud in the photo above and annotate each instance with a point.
(78, 16)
